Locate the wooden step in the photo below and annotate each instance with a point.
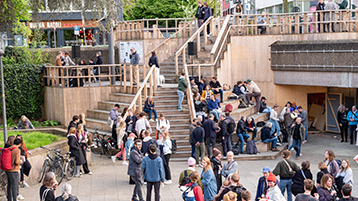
(108, 105)
(122, 97)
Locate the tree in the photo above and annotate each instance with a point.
(12, 12)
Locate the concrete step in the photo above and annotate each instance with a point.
(173, 106)
(167, 97)
(174, 122)
(98, 114)
(161, 102)
(108, 105)
(122, 97)
(97, 123)
(166, 93)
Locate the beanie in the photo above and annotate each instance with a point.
(271, 177)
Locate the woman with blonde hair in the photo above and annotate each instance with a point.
(82, 121)
(343, 122)
(82, 140)
(121, 133)
(25, 123)
(49, 186)
(325, 190)
(345, 176)
(166, 145)
(209, 180)
(322, 166)
(230, 196)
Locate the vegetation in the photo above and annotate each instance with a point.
(33, 139)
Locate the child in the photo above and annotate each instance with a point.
(129, 144)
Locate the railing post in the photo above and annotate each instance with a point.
(199, 72)
(151, 84)
(198, 42)
(205, 34)
(131, 78)
(137, 77)
(99, 76)
(305, 23)
(154, 79)
(184, 56)
(166, 26)
(125, 78)
(176, 64)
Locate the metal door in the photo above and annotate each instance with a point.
(333, 101)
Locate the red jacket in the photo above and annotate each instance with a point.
(199, 196)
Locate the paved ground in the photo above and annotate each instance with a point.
(110, 181)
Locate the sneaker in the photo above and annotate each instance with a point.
(300, 154)
(124, 163)
(88, 149)
(278, 144)
(113, 159)
(89, 173)
(94, 146)
(24, 185)
(292, 149)
(151, 120)
(167, 182)
(144, 183)
(20, 197)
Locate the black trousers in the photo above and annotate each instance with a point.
(210, 140)
(12, 185)
(344, 132)
(156, 190)
(85, 165)
(114, 133)
(167, 168)
(352, 133)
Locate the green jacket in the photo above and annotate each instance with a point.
(183, 84)
(343, 4)
(189, 171)
(282, 169)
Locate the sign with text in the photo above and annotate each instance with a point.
(77, 30)
(125, 51)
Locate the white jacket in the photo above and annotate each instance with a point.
(164, 124)
(274, 194)
(167, 149)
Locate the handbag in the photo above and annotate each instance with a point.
(26, 167)
(289, 167)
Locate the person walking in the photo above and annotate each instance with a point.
(299, 178)
(216, 165)
(304, 118)
(121, 144)
(153, 168)
(113, 114)
(227, 129)
(134, 61)
(198, 138)
(286, 170)
(153, 60)
(208, 179)
(200, 14)
(298, 136)
(241, 133)
(329, 159)
(182, 85)
(230, 167)
(343, 122)
(13, 182)
(352, 119)
(210, 133)
(134, 169)
(149, 108)
(167, 152)
(208, 13)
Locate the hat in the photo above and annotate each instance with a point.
(216, 152)
(299, 107)
(191, 161)
(132, 135)
(271, 177)
(266, 169)
(117, 105)
(263, 98)
(192, 78)
(248, 80)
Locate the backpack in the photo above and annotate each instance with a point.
(188, 192)
(251, 147)
(228, 108)
(186, 179)
(241, 105)
(231, 127)
(5, 158)
(110, 122)
(238, 190)
(174, 145)
(260, 124)
(339, 162)
(236, 149)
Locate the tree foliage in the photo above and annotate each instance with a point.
(12, 12)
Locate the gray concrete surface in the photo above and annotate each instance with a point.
(109, 181)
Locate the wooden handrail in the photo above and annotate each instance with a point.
(189, 96)
(139, 92)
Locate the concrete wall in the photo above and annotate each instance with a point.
(62, 103)
(249, 57)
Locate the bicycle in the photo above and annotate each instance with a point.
(107, 145)
(68, 165)
(52, 164)
(3, 183)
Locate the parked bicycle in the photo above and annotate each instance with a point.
(3, 183)
(106, 146)
(68, 165)
(53, 164)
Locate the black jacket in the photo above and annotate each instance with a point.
(216, 164)
(76, 150)
(99, 60)
(236, 90)
(134, 118)
(265, 133)
(240, 127)
(209, 128)
(225, 125)
(135, 162)
(153, 61)
(198, 135)
(262, 106)
(320, 174)
(253, 125)
(71, 124)
(298, 186)
(200, 12)
(342, 117)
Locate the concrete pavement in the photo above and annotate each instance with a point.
(109, 181)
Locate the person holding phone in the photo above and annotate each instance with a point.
(48, 188)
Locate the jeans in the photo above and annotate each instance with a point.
(352, 132)
(226, 143)
(305, 132)
(137, 189)
(273, 140)
(156, 190)
(267, 110)
(275, 127)
(221, 94)
(216, 113)
(192, 150)
(285, 183)
(149, 111)
(181, 97)
(210, 140)
(200, 149)
(296, 144)
(95, 72)
(166, 167)
(254, 133)
(242, 138)
(12, 185)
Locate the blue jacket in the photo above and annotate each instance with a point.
(208, 13)
(129, 144)
(351, 116)
(236, 90)
(213, 105)
(153, 168)
(209, 184)
(262, 188)
(209, 128)
(198, 135)
(147, 105)
(266, 133)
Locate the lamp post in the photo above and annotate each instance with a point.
(3, 97)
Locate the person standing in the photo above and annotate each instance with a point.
(346, 172)
(322, 166)
(298, 136)
(330, 15)
(325, 190)
(191, 141)
(81, 138)
(241, 133)
(48, 188)
(198, 138)
(352, 119)
(261, 20)
(197, 189)
(262, 185)
(306, 195)
(76, 150)
(200, 14)
(134, 169)
(182, 85)
(142, 124)
(208, 179)
(120, 144)
(210, 133)
(153, 168)
(286, 170)
(300, 176)
(60, 61)
(208, 13)
(98, 62)
(230, 167)
(185, 174)
(74, 122)
(320, 7)
(167, 152)
(131, 121)
(153, 60)
(114, 116)
(149, 108)
(13, 181)
(329, 159)
(234, 186)
(162, 124)
(216, 165)
(273, 193)
(134, 61)
(227, 129)
(304, 117)
(343, 122)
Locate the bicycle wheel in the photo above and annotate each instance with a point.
(70, 168)
(3, 183)
(108, 150)
(44, 170)
(57, 169)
